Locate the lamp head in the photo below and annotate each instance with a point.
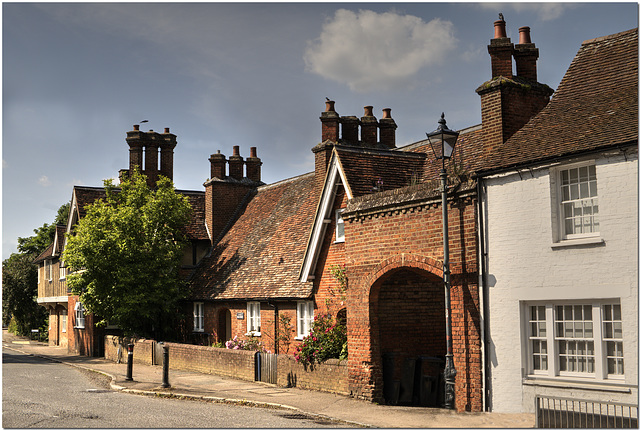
(442, 140)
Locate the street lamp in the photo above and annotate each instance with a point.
(443, 141)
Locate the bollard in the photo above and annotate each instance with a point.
(129, 363)
(165, 367)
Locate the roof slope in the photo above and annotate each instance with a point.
(595, 106)
(260, 256)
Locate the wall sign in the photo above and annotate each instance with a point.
(240, 315)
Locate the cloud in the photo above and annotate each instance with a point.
(369, 50)
(44, 181)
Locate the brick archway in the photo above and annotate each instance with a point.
(367, 342)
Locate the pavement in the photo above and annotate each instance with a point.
(343, 410)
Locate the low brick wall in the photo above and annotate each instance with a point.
(330, 376)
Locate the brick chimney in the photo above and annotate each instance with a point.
(149, 143)
(387, 129)
(508, 102)
(218, 165)
(369, 127)
(236, 164)
(350, 125)
(253, 164)
(526, 56)
(330, 122)
(167, 144)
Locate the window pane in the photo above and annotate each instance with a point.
(587, 312)
(588, 329)
(617, 315)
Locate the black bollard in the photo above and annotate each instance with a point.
(129, 363)
(165, 367)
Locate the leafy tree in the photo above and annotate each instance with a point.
(20, 278)
(126, 255)
(19, 293)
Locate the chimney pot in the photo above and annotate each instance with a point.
(166, 129)
(499, 29)
(386, 113)
(368, 111)
(525, 36)
(330, 106)
(136, 127)
(236, 150)
(253, 152)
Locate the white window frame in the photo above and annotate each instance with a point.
(198, 317)
(551, 335)
(569, 191)
(79, 311)
(63, 272)
(64, 321)
(339, 226)
(253, 319)
(304, 318)
(48, 270)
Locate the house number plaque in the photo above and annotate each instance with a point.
(240, 315)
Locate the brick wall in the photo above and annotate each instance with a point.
(330, 376)
(396, 299)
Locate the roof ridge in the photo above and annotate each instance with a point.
(609, 37)
(284, 181)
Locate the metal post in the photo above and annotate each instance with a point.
(129, 363)
(165, 367)
(449, 369)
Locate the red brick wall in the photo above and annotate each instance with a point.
(82, 341)
(394, 264)
(225, 198)
(330, 376)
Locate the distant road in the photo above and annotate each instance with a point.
(40, 393)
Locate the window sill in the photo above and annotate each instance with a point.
(198, 331)
(596, 240)
(339, 241)
(253, 334)
(300, 337)
(614, 386)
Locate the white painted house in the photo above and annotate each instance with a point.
(559, 232)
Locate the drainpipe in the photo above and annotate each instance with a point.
(484, 303)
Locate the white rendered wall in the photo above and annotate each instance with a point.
(523, 266)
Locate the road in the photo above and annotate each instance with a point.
(40, 393)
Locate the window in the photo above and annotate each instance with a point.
(64, 321)
(39, 275)
(575, 340)
(578, 202)
(62, 271)
(339, 226)
(48, 270)
(198, 316)
(253, 318)
(79, 315)
(305, 318)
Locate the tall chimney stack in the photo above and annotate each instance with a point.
(218, 165)
(526, 56)
(369, 127)
(330, 122)
(253, 164)
(501, 50)
(236, 164)
(387, 129)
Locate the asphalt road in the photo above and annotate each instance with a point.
(40, 393)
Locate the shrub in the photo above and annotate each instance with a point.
(327, 339)
(251, 344)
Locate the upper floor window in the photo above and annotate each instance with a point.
(79, 309)
(253, 318)
(304, 318)
(198, 316)
(339, 226)
(578, 202)
(48, 270)
(63, 272)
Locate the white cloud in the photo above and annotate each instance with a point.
(44, 181)
(369, 50)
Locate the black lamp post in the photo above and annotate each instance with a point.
(442, 142)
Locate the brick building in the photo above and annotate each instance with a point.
(371, 211)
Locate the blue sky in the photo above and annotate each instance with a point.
(77, 76)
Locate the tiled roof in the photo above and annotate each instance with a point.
(595, 106)
(45, 254)
(261, 254)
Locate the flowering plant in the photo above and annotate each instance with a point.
(252, 344)
(327, 339)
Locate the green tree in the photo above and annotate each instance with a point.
(19, 293)
(126, 255)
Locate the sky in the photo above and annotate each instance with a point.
(77, 76)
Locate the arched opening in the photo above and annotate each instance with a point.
(408, 318)
(224, 325)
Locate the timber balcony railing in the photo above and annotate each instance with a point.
(52, 288)
(558, 412)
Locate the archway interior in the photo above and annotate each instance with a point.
(411, 327)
